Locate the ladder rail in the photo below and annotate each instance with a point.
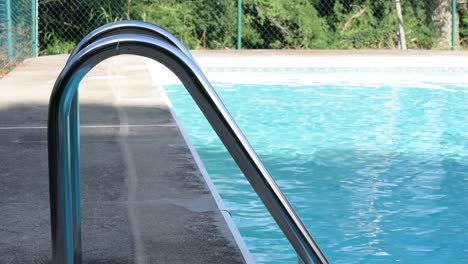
(129, 27)
(211, 106)
(108, 30)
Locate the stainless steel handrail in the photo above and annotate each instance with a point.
(111, 29)
(130, 27)
(209, 103)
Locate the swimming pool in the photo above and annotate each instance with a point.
(375, 163)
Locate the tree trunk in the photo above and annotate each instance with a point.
(442, 18)
(401, 29)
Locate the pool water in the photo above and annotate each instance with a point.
(378, 172)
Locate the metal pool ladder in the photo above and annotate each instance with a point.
(147, 40)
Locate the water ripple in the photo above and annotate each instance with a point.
(378, 172)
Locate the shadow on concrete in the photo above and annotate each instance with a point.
(143, 198)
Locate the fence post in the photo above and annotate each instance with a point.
(9, 29)
(239, 24)
(34, 27)
(454, 24)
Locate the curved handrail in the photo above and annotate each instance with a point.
(110, 29)
(211, 106)
(129, 27)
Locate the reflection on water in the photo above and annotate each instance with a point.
(378, 174)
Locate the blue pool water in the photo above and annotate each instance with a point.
(378, 173)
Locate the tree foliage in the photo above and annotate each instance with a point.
(464, 26)
(198, 23)
(307, 24)
(65, 22)
(283, 24)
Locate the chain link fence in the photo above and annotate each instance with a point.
(348, 24)
(63, 23)
(18, 32)
(267, 24)
(247, 24)
(198, 24)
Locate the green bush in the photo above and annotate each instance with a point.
(69, 21)
(57, 46)
(343, 24)
(266, 24)
(283, 24)
(464, 28)
(197, 23)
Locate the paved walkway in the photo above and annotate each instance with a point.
(143, 197)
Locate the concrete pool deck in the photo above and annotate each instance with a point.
(144, 200)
